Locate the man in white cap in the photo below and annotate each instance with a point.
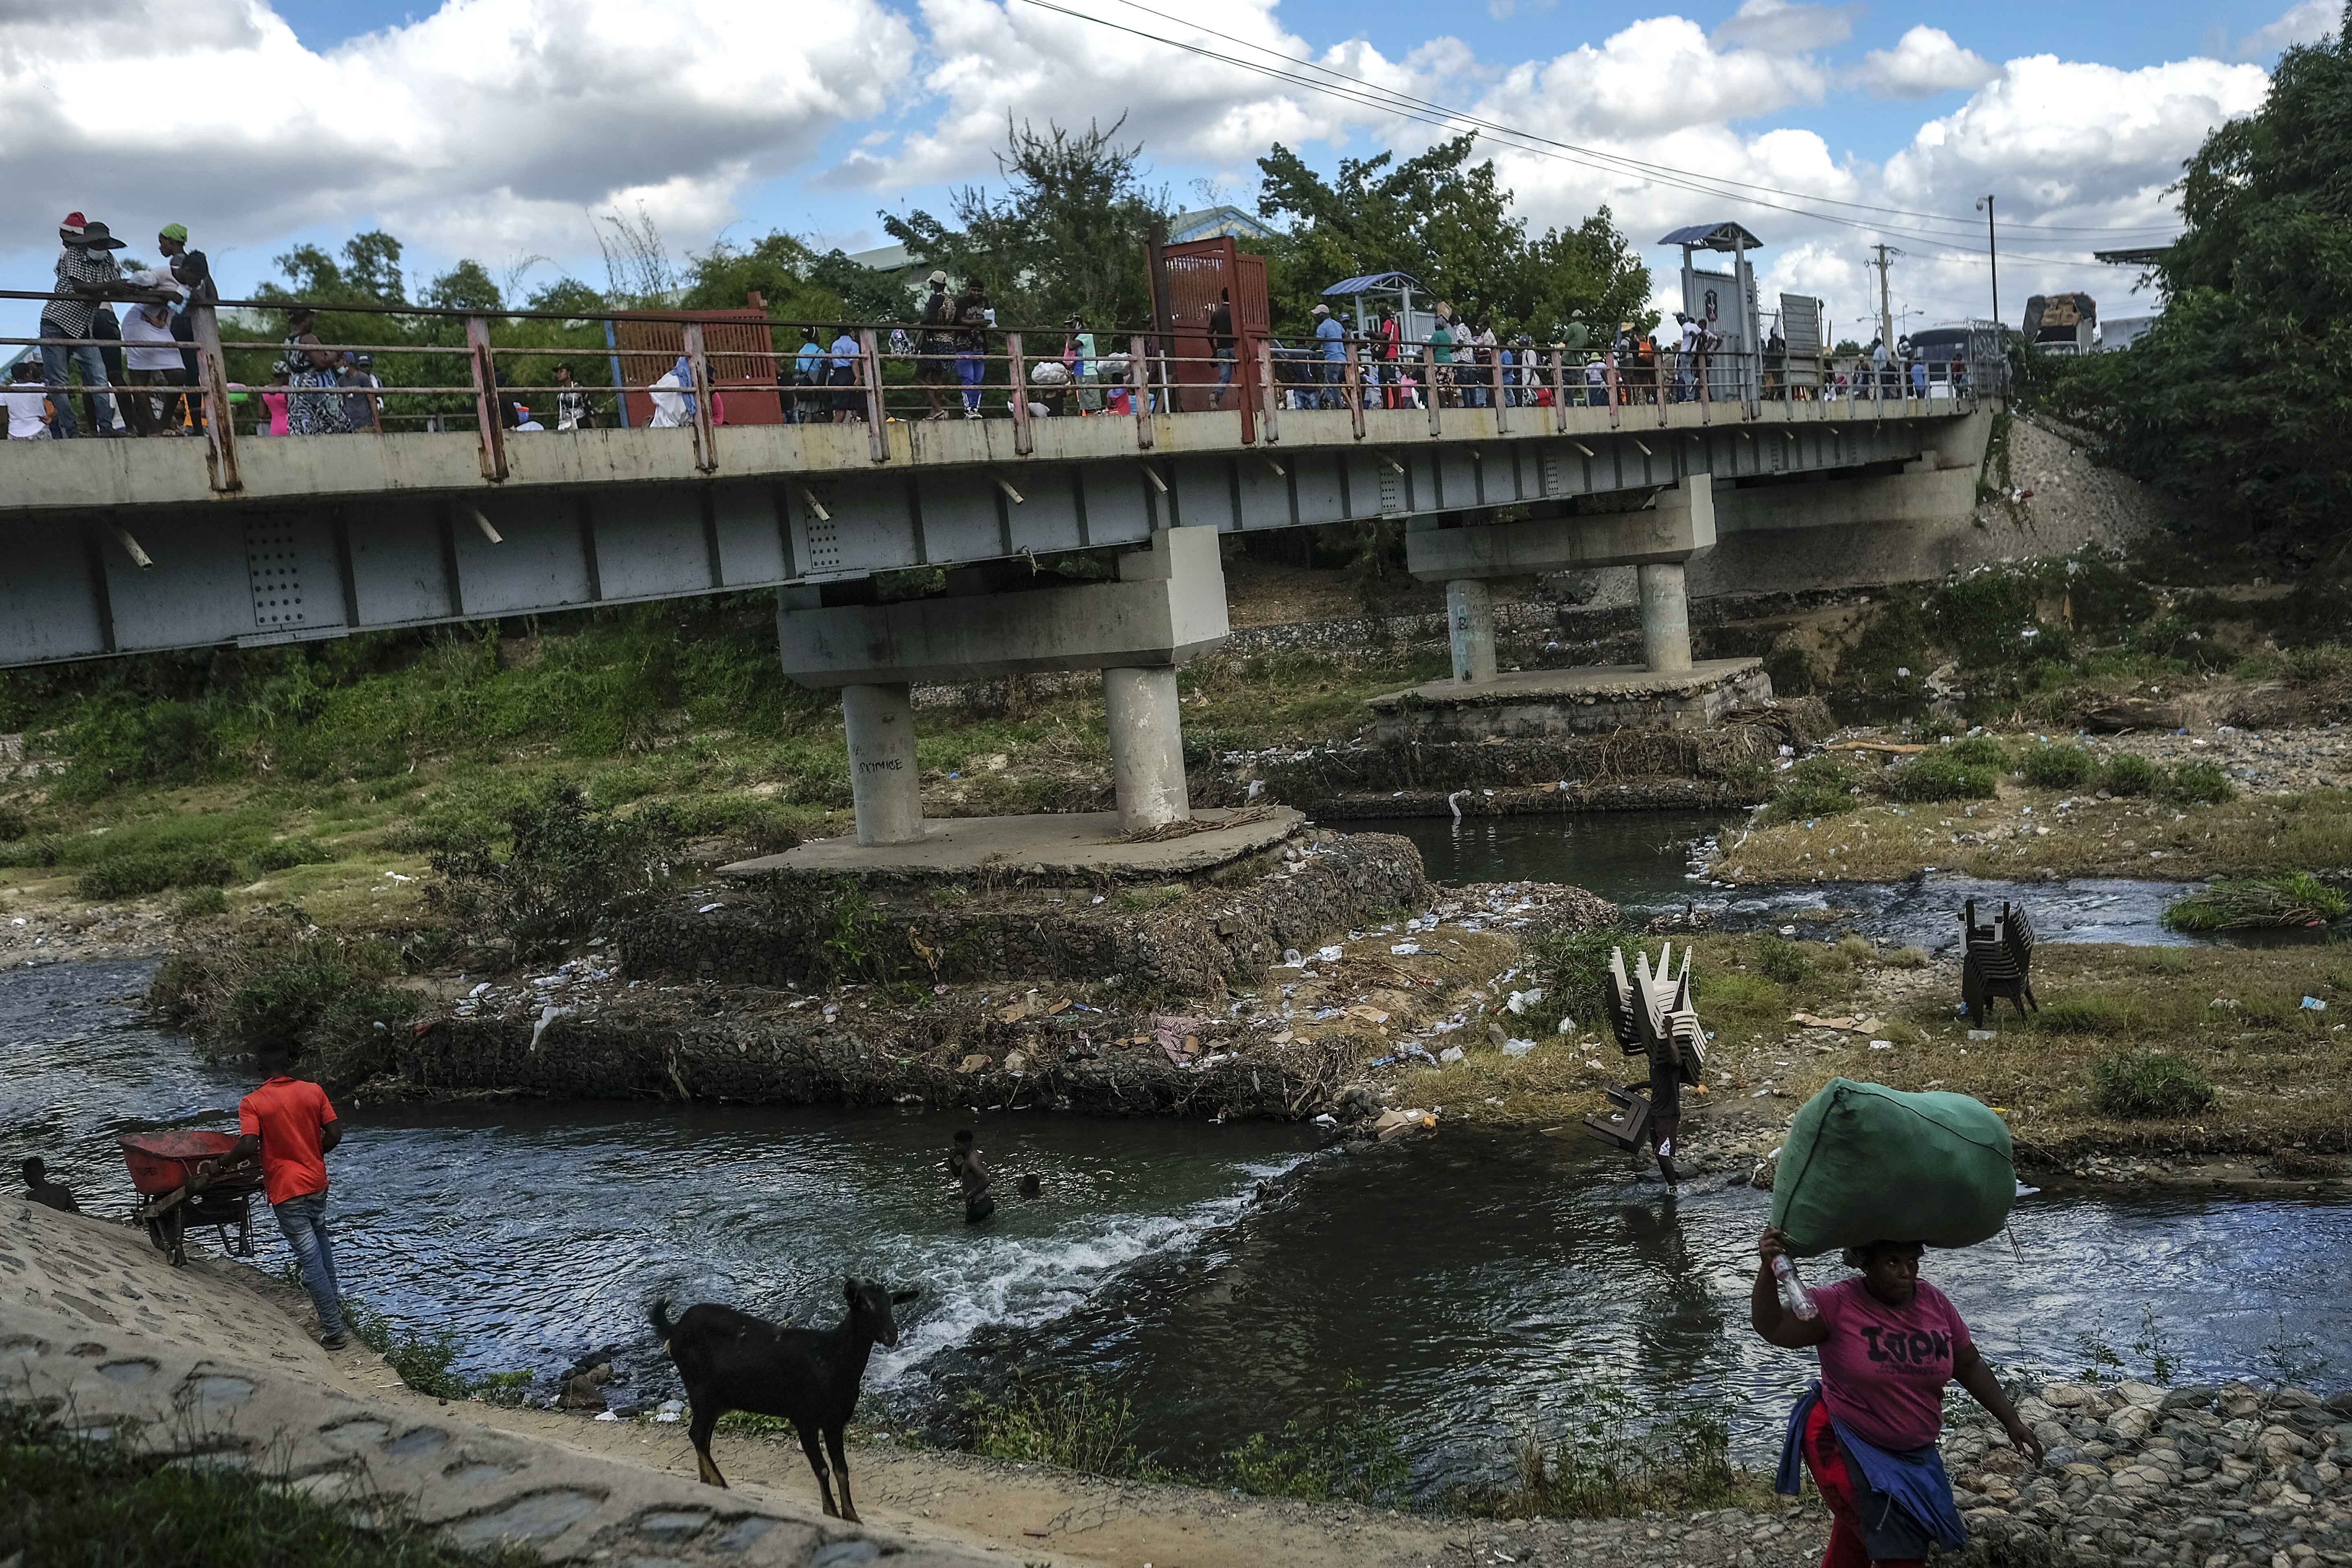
(1331, 348)
(935, 348)
(87, 274)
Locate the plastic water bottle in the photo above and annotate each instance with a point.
(1793, 1295)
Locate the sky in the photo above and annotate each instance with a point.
(502, 128)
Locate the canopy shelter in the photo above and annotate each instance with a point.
(1734, 318)
(1396, 288)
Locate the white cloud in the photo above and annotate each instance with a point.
(1787, 26)
(489, 127)
(2306, 23)
(1924, 62)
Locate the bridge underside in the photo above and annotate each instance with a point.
(335, 534)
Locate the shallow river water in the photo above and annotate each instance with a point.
(1465, 1285)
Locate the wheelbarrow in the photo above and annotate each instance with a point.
(174, 1191)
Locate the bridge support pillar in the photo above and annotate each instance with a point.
(885, 783)
(1167, 606)
(1147, 747)
(1666, 617)
(1470, 628)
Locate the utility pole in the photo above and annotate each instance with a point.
(1992, 251)
(1885, 305)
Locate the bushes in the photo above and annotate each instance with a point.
(2198, 784)
(2247, 903)
(1821, 786)
(2129, 773)
(268, 979)
(2057, 767)
(1570, 963)
(1783, 961)
(565, 869)
(137, 875)
(1938, 777)
(2149, 1084)
(1978, 752)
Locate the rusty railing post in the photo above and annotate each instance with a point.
(1559, 391)
(1609, 384)
(1024, 440)
(1501, 394)
(1351, 377)
(486, 398)
(212, 382)
(1266, 383)
(1138, 387)
(1658, 376)
(869, 367)
(706, 429)
(1429, 382)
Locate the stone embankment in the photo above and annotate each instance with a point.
(2205, 1477)
(97, 1331)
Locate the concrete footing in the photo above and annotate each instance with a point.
(1529, 703)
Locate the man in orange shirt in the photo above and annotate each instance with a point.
(290, 1123)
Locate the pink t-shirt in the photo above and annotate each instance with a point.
(1884, 1368)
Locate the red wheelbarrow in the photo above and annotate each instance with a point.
(175, 1191)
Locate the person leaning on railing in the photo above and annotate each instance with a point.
(86, 272)
(314, 402)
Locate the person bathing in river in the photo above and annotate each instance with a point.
(43, 1191)
(1868, 1427)
(966, 1166)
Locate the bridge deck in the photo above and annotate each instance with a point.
(327, 535)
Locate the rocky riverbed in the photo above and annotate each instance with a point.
(2227, 1477)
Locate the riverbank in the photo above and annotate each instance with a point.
(2136, 1469)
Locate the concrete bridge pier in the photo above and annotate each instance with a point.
(1470, 628)
(1669, 689)
(1167, 606)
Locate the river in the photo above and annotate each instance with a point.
(1468, 1286)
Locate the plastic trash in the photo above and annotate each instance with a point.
(1292, 958)
(2315, 1004)
(1328, 954)
(1567, 1025)
(1450, 1054)
(1404, 949)
(1793, 1294)
(1518, 1047)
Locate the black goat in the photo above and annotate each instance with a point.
(733, 1360)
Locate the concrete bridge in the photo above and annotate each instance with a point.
(128, 546)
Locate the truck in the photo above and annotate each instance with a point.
(2061, 323)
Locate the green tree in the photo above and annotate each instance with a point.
(781, 269)
(1065, 238)
(1448, 222)
(2237, 399)
(466, 287)
(368, 274)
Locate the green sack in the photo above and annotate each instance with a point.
(1864, 1163)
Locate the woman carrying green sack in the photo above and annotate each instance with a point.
(1889, 1343)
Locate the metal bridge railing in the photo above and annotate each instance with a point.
(875, 376)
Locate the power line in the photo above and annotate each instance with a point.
(1403, 106)
(1632, 162)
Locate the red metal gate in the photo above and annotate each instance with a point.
(1200, 272)
(742, 350)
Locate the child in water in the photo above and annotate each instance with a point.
(965, 1165)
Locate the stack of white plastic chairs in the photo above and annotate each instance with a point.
(1655, 1006)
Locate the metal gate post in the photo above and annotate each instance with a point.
(706, 429)
(212, 378)
(1266, 380)
(486, 396)
(1559, 391)
(1139, 380)
(869, 366)
(1429, 382)
(1352, 377)
(1502, 396)
(1024, 440)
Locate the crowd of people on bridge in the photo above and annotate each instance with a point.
(952, 356)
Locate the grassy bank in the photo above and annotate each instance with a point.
(2162, 1050)
(76, 1504)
